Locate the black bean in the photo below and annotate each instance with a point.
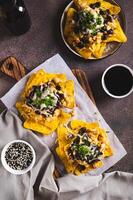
(58, 104)
(80, 45)
(43, 115)
(69, 151)
(78, 156)
(108, 19)
(58, 87)
(110, 31)
(107, 12)
(34, 87)
(95, 160)
(28, 104)
(103, 29)
(95, 5)
(84, 39)
(81, 167)
(76, 140)
(31, 94)
(100, 153)
(102, 12)
(44, 88)
(37, 112)
(82, 130)
(61, 96)
(104, 36)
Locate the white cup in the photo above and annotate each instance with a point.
(104, 85)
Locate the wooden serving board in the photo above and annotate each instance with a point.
(15, 69)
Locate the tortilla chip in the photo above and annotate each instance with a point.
(112, 8)
(81, 4)
(118, 35)
(29, 124)
(68, 25)
(84, 52)
(98, 49)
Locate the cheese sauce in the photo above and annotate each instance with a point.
(45, 98)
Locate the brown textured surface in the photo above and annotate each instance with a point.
(43, 40)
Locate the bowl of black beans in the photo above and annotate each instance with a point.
(18, 157)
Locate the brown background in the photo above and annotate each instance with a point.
(43, 40)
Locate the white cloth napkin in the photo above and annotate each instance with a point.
(39, 184)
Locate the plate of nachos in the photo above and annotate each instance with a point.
(93, 29)
(82, 146)
(46, 101)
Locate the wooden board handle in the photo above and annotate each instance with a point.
(13, 68)
(82, 78)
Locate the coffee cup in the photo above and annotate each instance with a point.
(117, 81)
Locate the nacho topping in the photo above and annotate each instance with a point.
(83, 149)
(82, 146)
(46, 101)
(91, 21)
(45, 98)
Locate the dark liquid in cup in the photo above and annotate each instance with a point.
(118, 80)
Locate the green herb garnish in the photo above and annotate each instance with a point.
(84, 150)
(98, 21)
(86, 19)
(48, 101)
(94, 32)
(36, 102)
(38, 92)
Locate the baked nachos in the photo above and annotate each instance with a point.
(82, 146)
(90, 25)
(47, 101)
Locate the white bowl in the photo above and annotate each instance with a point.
(103, 82)
(8, 168)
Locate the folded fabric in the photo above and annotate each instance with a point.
(39, 184)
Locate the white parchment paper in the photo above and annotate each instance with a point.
(85, 110)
